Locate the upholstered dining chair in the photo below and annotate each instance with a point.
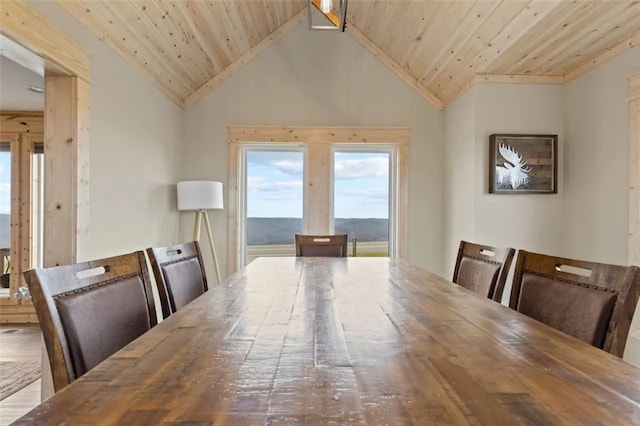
(594, 302)
(179, 274)
(483, 269)
(90, 310)
(321, 245)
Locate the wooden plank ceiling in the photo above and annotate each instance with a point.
(440, 48)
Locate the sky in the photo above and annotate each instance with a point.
(275, 184)
(5, 183)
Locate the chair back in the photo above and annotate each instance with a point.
(179, 274)
(592, 301)
(483, 269)
(90, 310)
(321, 245)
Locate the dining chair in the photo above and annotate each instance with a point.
(321, 245)
(594, 302)
(90, 310)
(483, 269)
(179, 274)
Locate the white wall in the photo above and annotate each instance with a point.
(597, 169)
(136, 146)
(459, 176)
(529, 221)
(588, 218)
(326, 79)
(597, 161)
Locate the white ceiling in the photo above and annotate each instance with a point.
(13, 94)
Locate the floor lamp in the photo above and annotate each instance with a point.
(200, 196)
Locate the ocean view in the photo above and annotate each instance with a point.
(280, 230)
(275, 230)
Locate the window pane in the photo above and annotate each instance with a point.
(37, 212)
(274, 202)
(5, 212)
(361, 200)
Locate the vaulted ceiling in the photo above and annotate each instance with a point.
(440, 48)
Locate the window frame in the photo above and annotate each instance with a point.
(319, 143)
(22, 148)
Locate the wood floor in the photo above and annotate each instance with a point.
(20, 342)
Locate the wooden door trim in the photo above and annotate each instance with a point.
(634, 170)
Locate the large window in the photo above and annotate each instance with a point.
(316, 181)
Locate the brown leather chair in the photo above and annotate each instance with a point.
(592, 301)
(321, 245)
(179, 274)
(90, 310)
(483, 269)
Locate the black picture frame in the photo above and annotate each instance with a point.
(523, 164)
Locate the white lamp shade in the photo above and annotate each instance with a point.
(199, 195)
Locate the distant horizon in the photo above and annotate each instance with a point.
(280, 230)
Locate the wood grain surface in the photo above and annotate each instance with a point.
(349, 341)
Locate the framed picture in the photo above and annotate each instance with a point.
(523, 164)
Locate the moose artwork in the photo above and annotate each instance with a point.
(523, 164)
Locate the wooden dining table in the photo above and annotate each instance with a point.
(348, 341)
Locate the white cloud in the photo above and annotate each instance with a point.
(378, 194)
(293, 168)
(259, 183)
(361, 168)
(289, 163)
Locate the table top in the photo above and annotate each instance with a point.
(342, 340)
